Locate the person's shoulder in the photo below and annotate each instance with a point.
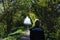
(36, 29)
(41, 28)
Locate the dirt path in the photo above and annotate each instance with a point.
(25, 36)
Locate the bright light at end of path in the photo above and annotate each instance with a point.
(27, 21)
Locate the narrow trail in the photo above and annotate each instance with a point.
(26, 35)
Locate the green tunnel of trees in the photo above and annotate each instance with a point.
(13, 12)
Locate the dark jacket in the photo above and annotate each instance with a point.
(37, 33)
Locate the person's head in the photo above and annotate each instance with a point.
(37, 22)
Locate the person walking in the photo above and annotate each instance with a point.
(37, 32)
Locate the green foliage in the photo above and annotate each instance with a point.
(10, 38)
(57, 35)
(2, 29)
(15, 12)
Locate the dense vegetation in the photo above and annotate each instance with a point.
(13, 13)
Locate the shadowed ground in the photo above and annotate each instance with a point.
(25, 36)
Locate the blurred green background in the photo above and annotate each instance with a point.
(13, 13)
